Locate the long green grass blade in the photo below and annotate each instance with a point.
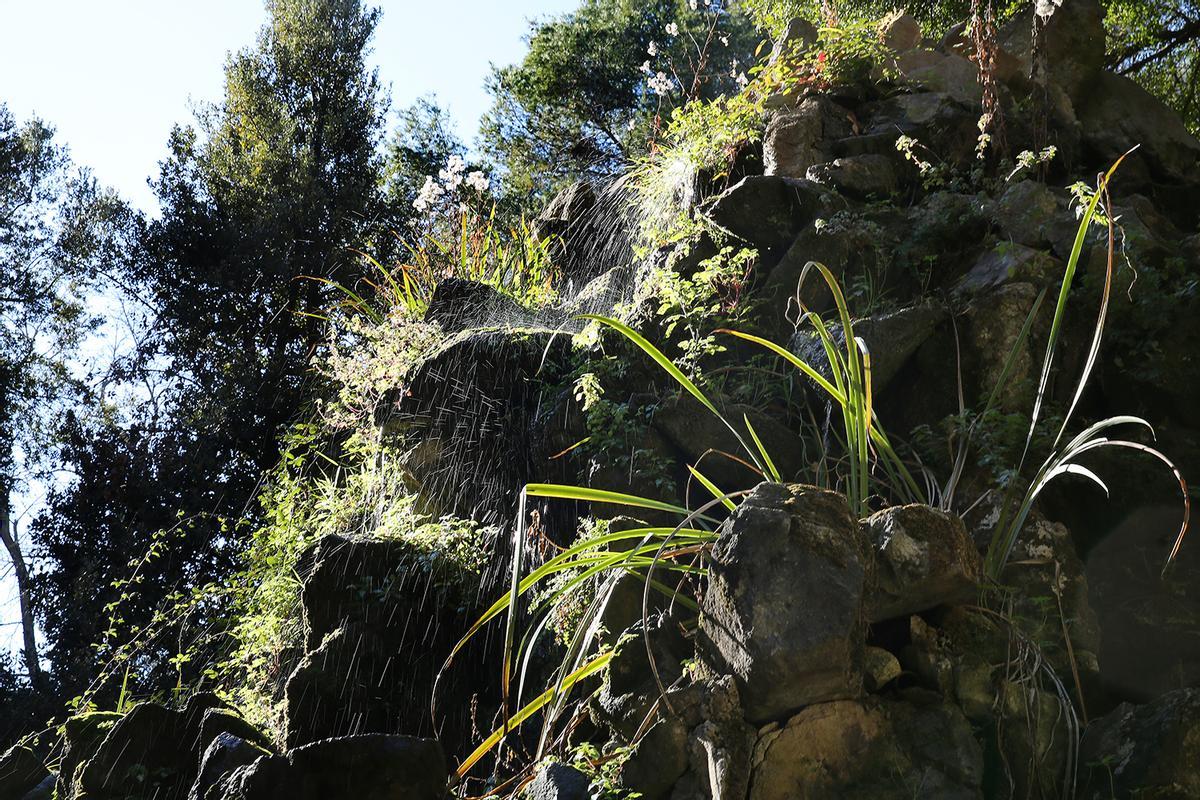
(669, 367)
(712, 488)
(772, 472)
(591, 667)
(589, 495)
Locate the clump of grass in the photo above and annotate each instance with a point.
(513, 261)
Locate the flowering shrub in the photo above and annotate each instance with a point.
(459, 237)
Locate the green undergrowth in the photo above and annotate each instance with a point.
(338, 475)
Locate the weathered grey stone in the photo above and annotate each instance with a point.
(770, 211)
(459, 304)
(567, 207)
(1007, 262)
(1046, 572)
(380, 616)
(693, 431)
(1071, 42)
(657, 761)
(924, 558)
(367, 767)
(900, 31)
(223, 720)
(796, 140)
(1144, 751)
(992, 332)
(936, 118)
(880, 668)
(720, 748)
(152, 752)
(557, 781)
(1118, 114)
(20, 772)
(862, 176)
(783, 612)
(799, 36)
(224, 754)
(871, 749)
(1026, 212)
(82, 734)
(946, 73)
(969, 658)
(629, 692)
(891, 339)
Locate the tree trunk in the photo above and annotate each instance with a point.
(8, 536)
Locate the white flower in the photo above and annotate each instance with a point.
(672, 29)
(478, 181)
(631, 124)
(695, 4)
(452, 174)
(742, 80)
(428, 195)
(646, 68)
(652, 49)
(661, 84)
(725, 39)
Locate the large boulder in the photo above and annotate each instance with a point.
(21, 770)
(657, 761)
(151, 752)
(1148, 751)
(940, 120)
(1070, 43)
(891, 338)
(1150, 619)
(768, 211)
(1008, 262)
(720, 747)
(784, 611)
(1120, 114)
(458, 304)
(557, 781)
(566, 211)
(365, 601)
(466, 418)
(796, 140)
(948, 73)
(981, 663)
(367, 767)
(866, 176)
(870, 750)
(82, 734)
(799, 35)
(225, 754)
(900, 31)
(924, 558)
(694, 432)
(1030, 213)
(629, 692)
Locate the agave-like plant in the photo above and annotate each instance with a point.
(1063, 460)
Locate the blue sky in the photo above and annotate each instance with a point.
(113, 76)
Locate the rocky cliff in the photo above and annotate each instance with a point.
(829, 656)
